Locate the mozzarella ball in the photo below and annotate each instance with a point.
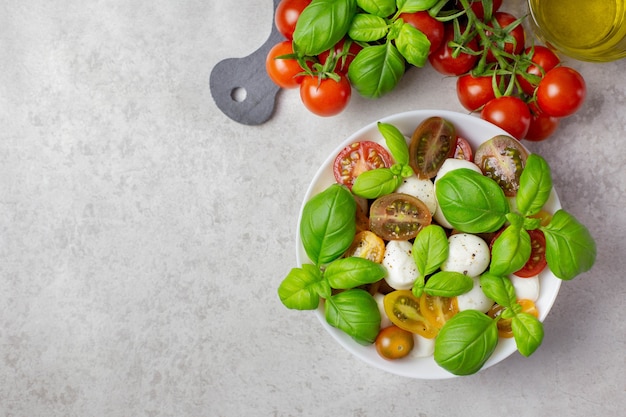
(384, 320)
(420, 188)
(467, 254)
(474, 299)
(451, 164)
(525, 288)
(401, 269)
(441, 219)
(422, 347)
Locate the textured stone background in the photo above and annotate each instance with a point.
(143, 234)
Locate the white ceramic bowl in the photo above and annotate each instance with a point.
(476, 131)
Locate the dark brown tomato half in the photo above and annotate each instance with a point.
(433, 141)
(398, 216)
(503, 159)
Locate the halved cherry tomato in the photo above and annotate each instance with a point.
(368, 245)
(431, 27)
(403, 309)
(357, 158)
(398, 216)
(433, 141)
(285, 72)
(503, 159)
(463, 149)
(544, 216)
(394, 343)
(287, 14)
(537, 261)
(504, 325)
(438, 310)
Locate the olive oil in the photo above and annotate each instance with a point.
(589, 30)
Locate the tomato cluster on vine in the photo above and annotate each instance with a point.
(516, 85)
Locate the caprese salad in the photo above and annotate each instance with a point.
(424, 246)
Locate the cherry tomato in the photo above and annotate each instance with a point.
(509, 113)
(478, 9)
(474, 92)
(394, 343)
(431, 27)
(516, 35)
(287, 14)
(403, 309)
(368, 245)
(283, 71)
(503, 159)
(357, 158)
(433, 141)
(325, 97)
(504, 325)
(537, 261)
(544, 60)
(561, 92)
(442, 60)
(398, 216)
(344, 57)
(541, 127)
(463, 150)
(438, 310)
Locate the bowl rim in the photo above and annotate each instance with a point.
(475, 130)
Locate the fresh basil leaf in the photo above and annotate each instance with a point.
(376, 70)
(382, 8)
(448, 284)
(430, 249)
(376, 182)
(465, 342)
(528, 333)
(321, 25)
(353, 271)
(396, 142)
(510, 251)
(412, 6)
(356, 313)
(471, 202)
(413, 45)
(367, 28)
(570, 248)
(498, 288)
(328, 224)
(535, 186)
(299, 290)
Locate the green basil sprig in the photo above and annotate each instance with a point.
(327, 229)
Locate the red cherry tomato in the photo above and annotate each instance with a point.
(287, 14)
(284, 72)
(509, 113)
(474, 92)
(537, 261)
(517, 34)
(344, 57)
(541, 126)
(357, 158)
(478, 9)
(544, 60)
(325, 97)
(561, 92)
(431, 27)
(443, 61)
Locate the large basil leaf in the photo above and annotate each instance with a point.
(570, 248)
(500, 289)
(381, 8)
(367, 28)
(352, 272)
(328, 224)
(448, 284)
(376, 70)
(535, 185)
(471, 202)
(510, 251)
(301, 288)
(528, 333)
(356, 313)
(465, 342)
(396, 142)
(412, 6)
(430, 249)
(413, 45)
(321, 25)
(376, 182)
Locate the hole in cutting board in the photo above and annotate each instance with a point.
(238, 94)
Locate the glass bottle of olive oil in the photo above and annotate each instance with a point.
(588, 30)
